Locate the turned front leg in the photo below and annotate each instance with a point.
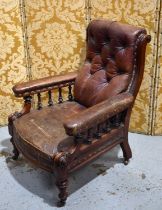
(61, 179)
(62, 185)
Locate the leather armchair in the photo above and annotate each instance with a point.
(64, 136)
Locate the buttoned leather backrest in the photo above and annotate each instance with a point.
(108, 67)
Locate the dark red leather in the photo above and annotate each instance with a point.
(99, 113)
(109, 61)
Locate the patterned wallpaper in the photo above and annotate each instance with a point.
(56, 31)
(12, 63)
(54, 40)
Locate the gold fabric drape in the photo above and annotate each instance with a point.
(48, 38)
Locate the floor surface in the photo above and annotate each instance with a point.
(105, 184)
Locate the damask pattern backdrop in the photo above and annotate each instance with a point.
(56, 37)
(54, 33)
(12, 63)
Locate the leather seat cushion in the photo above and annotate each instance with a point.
(43, 129)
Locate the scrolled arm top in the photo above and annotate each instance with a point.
(44, 84)
(96, 114)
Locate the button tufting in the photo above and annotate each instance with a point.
(110, 53)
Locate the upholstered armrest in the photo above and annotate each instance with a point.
(44, 84)
(97, 114)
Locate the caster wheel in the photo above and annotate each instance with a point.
(126, 162)
(61, 203)
(15, 157)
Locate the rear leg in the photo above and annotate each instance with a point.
(15, 150)
(127, 153)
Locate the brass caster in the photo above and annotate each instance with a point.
(126, 162)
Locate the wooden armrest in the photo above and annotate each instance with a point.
(79, 123)
(44, 84)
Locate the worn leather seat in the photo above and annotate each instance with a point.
(65, 136)
(43, 134)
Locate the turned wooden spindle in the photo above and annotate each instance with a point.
(89, 136)
(39, 105)
(78, 138)
(50, 101)
(117, 120)
(108, 127)
(70, 96)
(104, 127)
(98, 132)
(60, 99)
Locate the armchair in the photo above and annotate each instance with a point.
(64, 136)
